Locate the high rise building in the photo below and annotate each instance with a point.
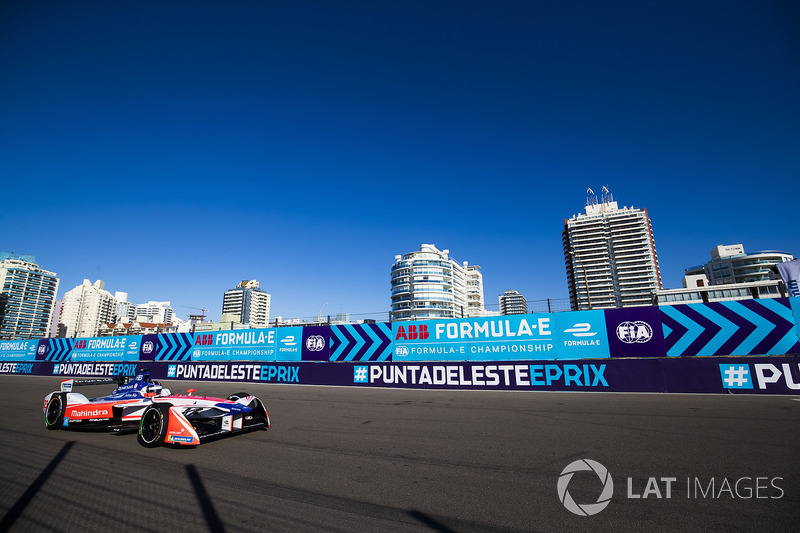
(730, 264)
(124, 311)
(610, 256)
(513, 303)
(248, 303)
(153, 312)
(86, 308)
(429, 284)
(27, 297)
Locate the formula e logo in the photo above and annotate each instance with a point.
(581, 329)
(586, 509)
(401, 351)
(637, 332)
(315, 343)
(147, 347)
(288, 341)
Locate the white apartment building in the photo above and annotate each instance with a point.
(513, 303)
(27, 297)
(153, 312)
(124, 310)
(730, 264)
(610, 256)
(247, 303)
(694, 292)
(429, 284)
(86, 308)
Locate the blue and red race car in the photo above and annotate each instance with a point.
(160, 416)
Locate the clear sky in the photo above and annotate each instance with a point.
(173, 149)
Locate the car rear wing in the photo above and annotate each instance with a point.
(67, 384)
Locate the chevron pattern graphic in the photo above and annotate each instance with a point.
(361, 342)
(746, 327)
(58, 349)
(174, 347)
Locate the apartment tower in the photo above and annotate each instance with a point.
(248, 303)
(610, 256)
(27, 297)
(429, 284)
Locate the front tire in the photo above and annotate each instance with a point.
(153, 425)
(56, 407)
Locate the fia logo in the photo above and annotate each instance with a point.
(315, 343)
(401, 351)
(637, 332)
(42, 349)
(147, 347)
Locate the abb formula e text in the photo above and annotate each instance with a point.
(160, 416)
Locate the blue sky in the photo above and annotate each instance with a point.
(173, 149)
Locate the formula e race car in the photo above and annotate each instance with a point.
(160, 416)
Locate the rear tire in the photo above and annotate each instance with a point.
(153, 425)
(56, 407)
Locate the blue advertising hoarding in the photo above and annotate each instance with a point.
(262, 344)
(635, 332)
(290, 344)
(123, 348)
(581, 335)
(18, 350)
(316, 343)
(517, 337)
(746, 327)
(237, 345)
(479, 339)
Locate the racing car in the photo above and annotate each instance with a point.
(160, 416)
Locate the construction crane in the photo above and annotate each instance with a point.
(202, 309)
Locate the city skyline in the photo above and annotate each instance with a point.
(174, 150)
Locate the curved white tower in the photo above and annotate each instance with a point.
(428, 284)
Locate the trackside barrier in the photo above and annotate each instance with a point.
(577, 349)
(750, 375)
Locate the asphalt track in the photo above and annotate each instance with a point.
(357, 459)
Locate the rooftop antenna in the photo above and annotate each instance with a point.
(607, 196)
(591, 198)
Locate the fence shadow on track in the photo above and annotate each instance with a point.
(204, 500)
(96, 488)
(17, 509)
